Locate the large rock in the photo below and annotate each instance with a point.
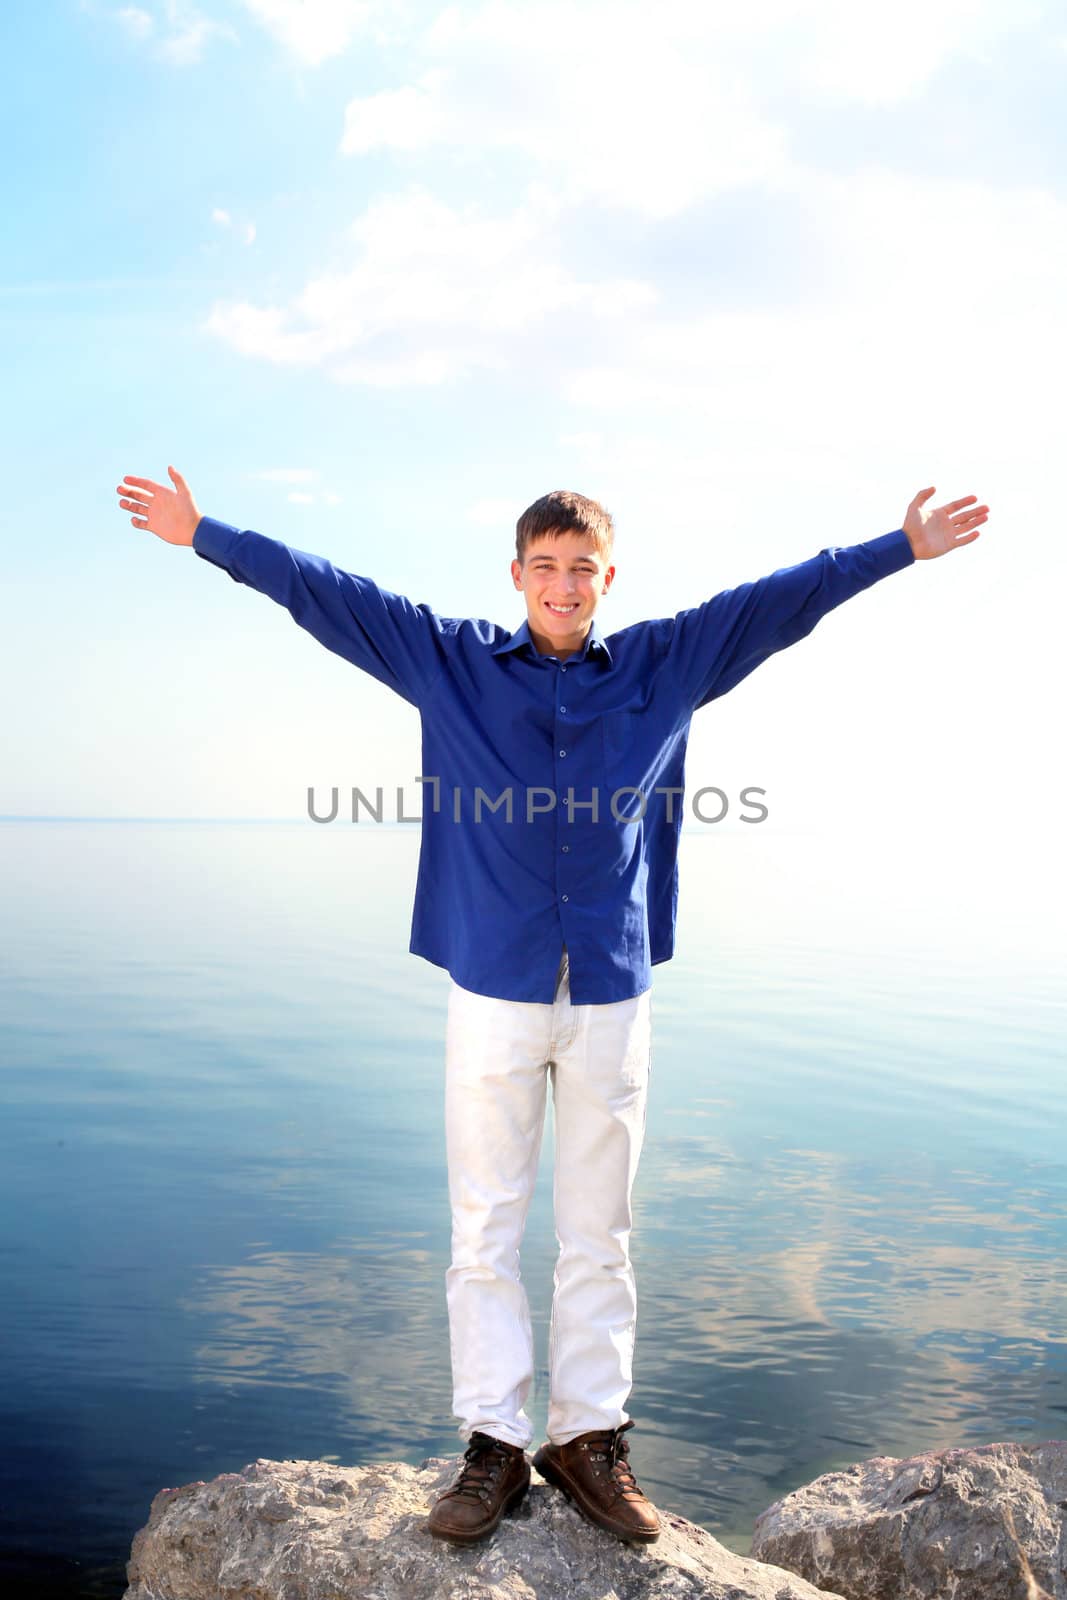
(306, 1530)
(980, 1524)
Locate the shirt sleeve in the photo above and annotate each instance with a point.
(385, 634)
(716, 644)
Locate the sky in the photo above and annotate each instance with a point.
(374, 277)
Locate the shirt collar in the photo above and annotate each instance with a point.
(595, 647)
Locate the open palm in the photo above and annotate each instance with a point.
(933, 533)
(169, 513)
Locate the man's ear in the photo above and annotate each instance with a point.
(609, 574)
(516, 574)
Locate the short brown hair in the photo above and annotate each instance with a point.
(562, 511)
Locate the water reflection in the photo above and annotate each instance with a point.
(365, 1315)
(790, 1313)
(224, 1201)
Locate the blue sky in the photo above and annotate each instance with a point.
(374, 277)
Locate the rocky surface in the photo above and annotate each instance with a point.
(988, 1523)
(306, 1530)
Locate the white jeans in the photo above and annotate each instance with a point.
(499, 1055)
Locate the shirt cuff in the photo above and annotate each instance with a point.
(892, 551)
(214, 541)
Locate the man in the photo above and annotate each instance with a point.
(553, 759)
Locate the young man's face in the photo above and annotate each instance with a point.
(563, 578)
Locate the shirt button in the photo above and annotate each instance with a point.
(566, 897)
(563, 669)
(563, 708)
(563, 752)
(564, 848)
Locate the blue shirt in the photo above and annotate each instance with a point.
(584, 853)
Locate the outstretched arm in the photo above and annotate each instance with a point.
(715, 645)
(383, 633)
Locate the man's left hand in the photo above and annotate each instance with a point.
(932, 533)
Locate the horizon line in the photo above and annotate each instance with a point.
(31, 816)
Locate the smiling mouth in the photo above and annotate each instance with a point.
(561, 611)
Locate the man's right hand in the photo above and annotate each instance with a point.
(169, 513)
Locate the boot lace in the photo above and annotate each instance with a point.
(483, 1462)
(616, 1452)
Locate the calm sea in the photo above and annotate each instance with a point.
(224, 1222)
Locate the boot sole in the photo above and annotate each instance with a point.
(554, 1476)
(476, 1535)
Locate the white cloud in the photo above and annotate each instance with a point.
(261, 331)
(179, 31)
(934, 357)
(299, 475)
(651, 112)
(941, 323)
(395, 119)
(415, 369)
(885, 54)
(932, 300)
(935, 323)
(137, 23)
(312, 30)
(435, 292)
(188, 33)
(601, 99)
(225, 220)
(302, 498)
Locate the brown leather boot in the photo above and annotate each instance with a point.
(593, 1471)
(492, 1480)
